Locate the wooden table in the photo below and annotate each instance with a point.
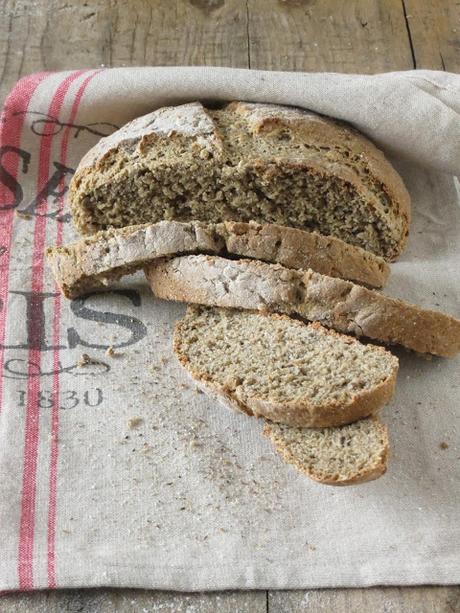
(318, 35)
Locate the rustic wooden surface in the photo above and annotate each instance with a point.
(353, 36)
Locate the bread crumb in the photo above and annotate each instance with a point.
(110, 352)
(133, 422)
(22, 215)
(444, 445)
(84, 360)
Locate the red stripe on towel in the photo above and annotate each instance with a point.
(27, 521)
(56, 342)
(11, 124)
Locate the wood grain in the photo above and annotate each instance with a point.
(133, 601)
(362, 36)
(434, 27)
(58, 35)
(356, 35)
(425, 599)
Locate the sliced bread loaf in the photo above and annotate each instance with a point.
(346, 455)
(279, 368)
(101, 259)
(338, 304)
(243, 162)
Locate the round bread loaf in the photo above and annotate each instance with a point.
(244, 162)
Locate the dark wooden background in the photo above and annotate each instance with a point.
(364, 36)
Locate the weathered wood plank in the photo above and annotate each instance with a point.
(361, 36)
(57, 35)
(435, 33)
(19, 27)
(133, 601)
(182, 32)
(426, 599)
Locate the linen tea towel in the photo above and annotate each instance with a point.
(120, 473)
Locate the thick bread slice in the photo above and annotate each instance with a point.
(243, 162)
(279, 368)
(335, 303)
(347, 455)
(103, 258)
(99, 260)
(295, 248)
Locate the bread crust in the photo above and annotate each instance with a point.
(337, 304)
(103, 258)
(301, 413)
(186, 119)
(294, 248)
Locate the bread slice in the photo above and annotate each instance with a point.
(346, 455)
(104, 257)
(101, 259)
(279, 368)
(337, 304)
(242, 162)
(299, 249)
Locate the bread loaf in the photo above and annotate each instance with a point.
(101, 259)
(279, 368)
(243, 162)
(337, 304)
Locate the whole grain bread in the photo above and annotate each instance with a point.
(101, 259)
(244, 162)
(279, 368)
(345, 455)
(337, 304)
(295, 248)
